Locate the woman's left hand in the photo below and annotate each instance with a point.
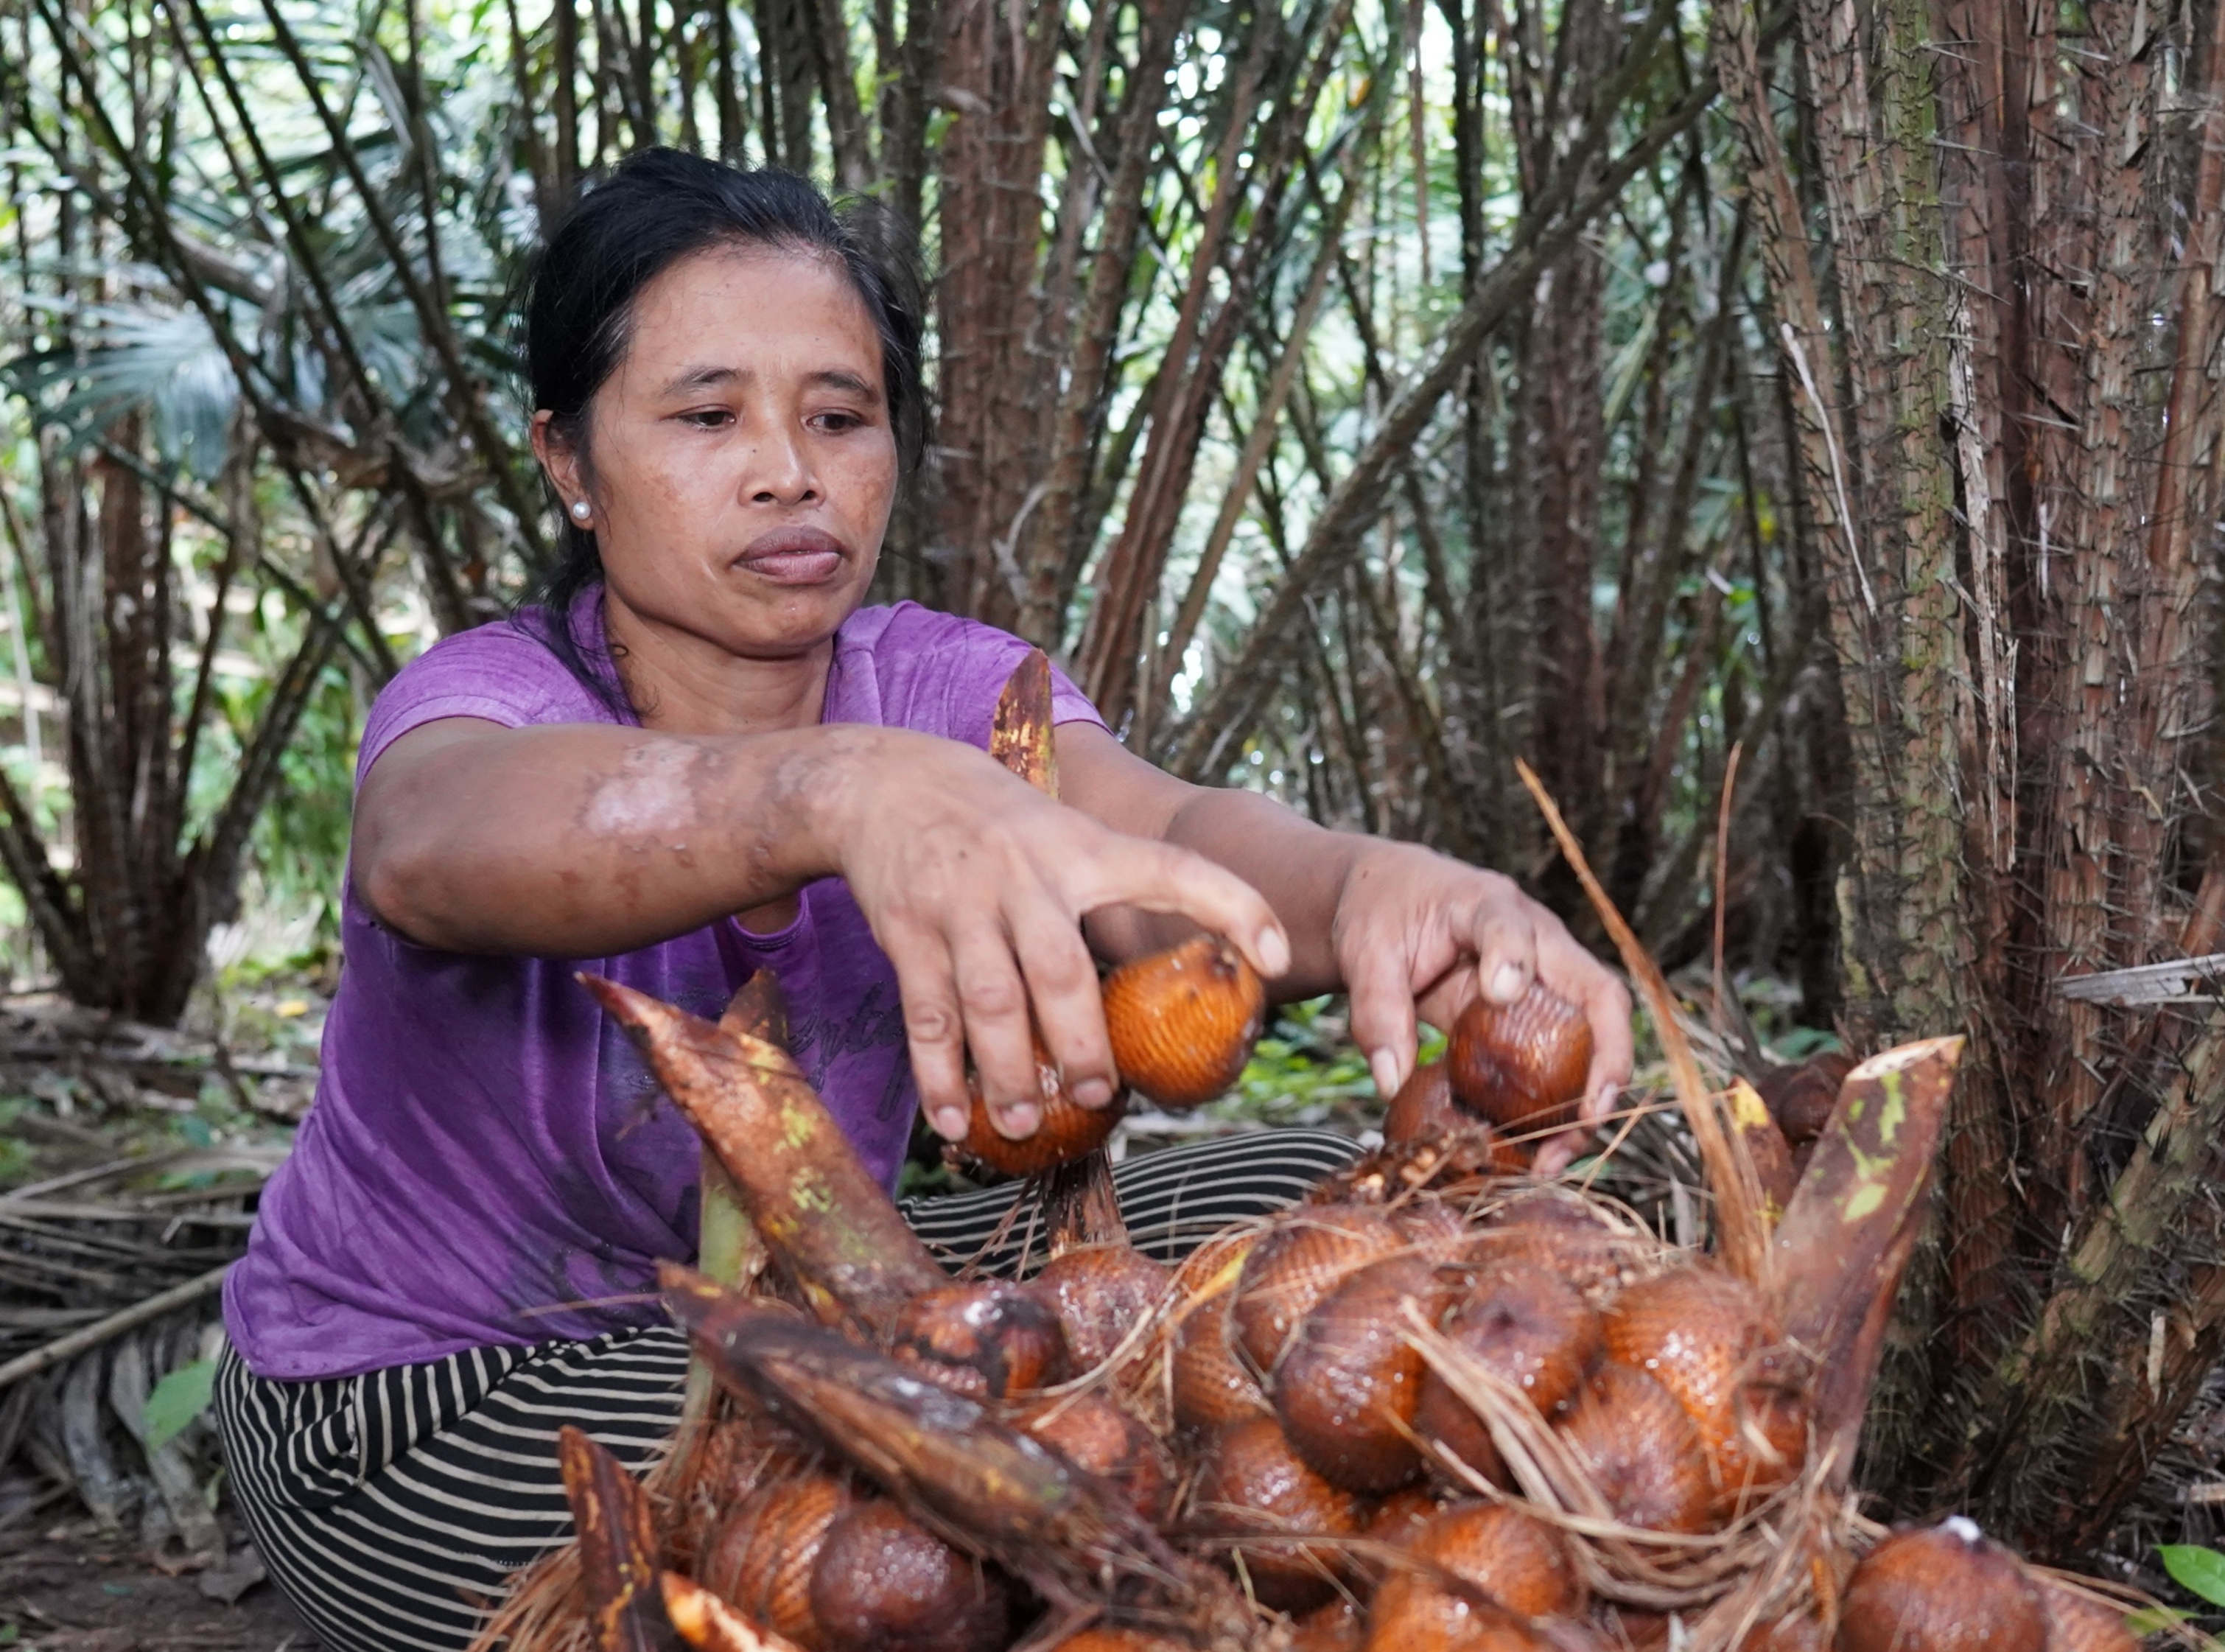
(1420, 934)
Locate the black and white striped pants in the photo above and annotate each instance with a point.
(392, 1508)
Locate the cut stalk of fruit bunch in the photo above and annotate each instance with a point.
(709, 1624)
(828, 1223)
(618, 1547)
(1181, 1022)
(727, 1246)
(1021, 737)
(952, 1463)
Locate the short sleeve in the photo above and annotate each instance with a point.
(501, 673)
(909, 667)
(1069, 704)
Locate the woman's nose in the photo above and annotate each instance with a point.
(781, 472)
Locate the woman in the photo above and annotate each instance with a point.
(700, 755)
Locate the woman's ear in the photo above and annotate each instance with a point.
(559, 458)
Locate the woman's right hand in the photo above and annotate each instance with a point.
(975, 885)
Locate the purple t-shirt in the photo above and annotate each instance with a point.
(488, 1159)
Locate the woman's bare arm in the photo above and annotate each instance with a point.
(1406, 931)
(584, 841)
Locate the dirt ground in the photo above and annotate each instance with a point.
(63, 1590)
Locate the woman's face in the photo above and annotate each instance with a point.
(740, 461)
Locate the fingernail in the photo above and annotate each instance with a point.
(1508, 983)
(1274, 953)
(1385, 1066)
(1018, 1123)
(950, 1123)
(1093, 1092)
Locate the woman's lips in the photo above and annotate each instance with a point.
(792, 557)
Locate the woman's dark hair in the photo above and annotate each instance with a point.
(655, 208)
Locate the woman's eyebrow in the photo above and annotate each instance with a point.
(848, 383)
(708, 376)
(704, 378)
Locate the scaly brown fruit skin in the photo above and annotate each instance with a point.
(1340, 1626)
(2078, 1624)
(1435, 1229)
(1424, 1110)
(1531, 1330)
(1426, 1619)
(1790, 1635)
(885, 1584)
(1091, 1432)
(983, 1339)
(1516, 1558)
(1394, 1524)
(1100, 1293)
(1943, 1588)
(1211, 1386)
(1424, 1107)
(1346, 1386)
(1182, 1022)
(1705, 1336)
(1399, 1517)
(1562, 1234)
(1521, 1066)
(1294, 1267)
(761, 1556)
(1641, 1450)
(1251, 1480)
(1801, 1098)
(1067, 1130)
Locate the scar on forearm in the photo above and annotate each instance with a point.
(652, 796)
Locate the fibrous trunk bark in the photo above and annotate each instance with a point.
(996, 380)
(2006, 403)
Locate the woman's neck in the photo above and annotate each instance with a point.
(683, 683)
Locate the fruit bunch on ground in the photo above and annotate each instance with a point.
(1439, 1405)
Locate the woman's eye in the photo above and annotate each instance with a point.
(709, 418)
(836, 424)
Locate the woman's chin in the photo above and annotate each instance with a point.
(773, 617)
(751, 611)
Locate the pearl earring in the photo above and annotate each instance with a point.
(578, 510)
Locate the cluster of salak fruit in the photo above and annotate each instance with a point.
(1437, 1405)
